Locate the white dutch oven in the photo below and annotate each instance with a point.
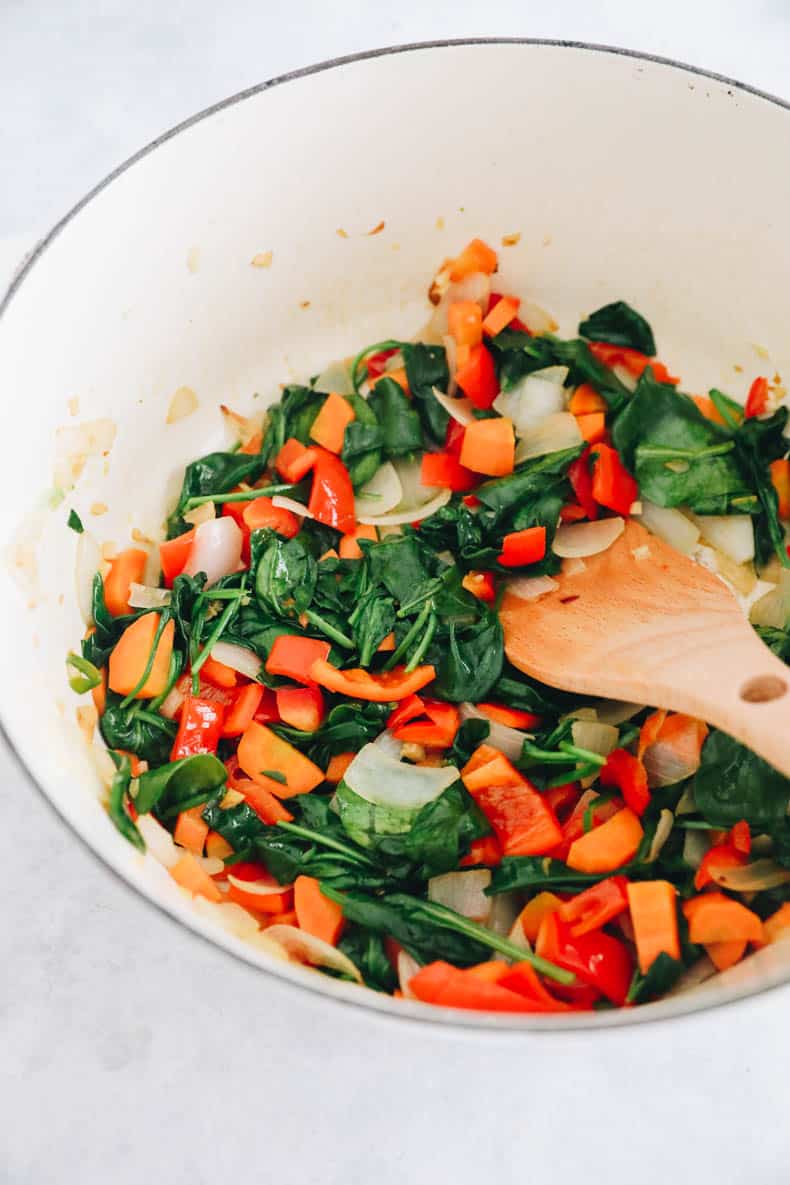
(625, 177)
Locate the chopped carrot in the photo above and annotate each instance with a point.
(189, 875)
(217, 847)
(268, 808)
(500, 315)
(398, 375)
(608, 846)
(329, 426)
(130, 657)
(316, 913)
(777, 924)
(99, 693)
(476, 256)
(442, 984)
(512, 717)
(292, 656)
(490, 972)
(713, 917)
(386, 645)
(592, 426)
(780, 478)
(489, 447)
(585, 400)
(480, 584)
(465, 322)
(535, 911)
(218, 674)
(725, 954)
(349, 547)
(265, 894)
(709, 409)
(191, 831)
(337, 767)
(262, 753)
(294, 460)
(329, 554)
(126, 569)
(301, 707)
(245, 704)
(655, 920)
(261, 512)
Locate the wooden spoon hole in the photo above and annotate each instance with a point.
(762, 689)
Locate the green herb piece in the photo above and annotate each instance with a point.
(620, 325)
(75, 522)
(83, 675)
(170, 786)
(116, 805)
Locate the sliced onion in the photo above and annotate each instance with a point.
(172, 703)
(87, 564)
(381, 494)
(751, 878)
(396, 517)
(529, 588)
(211, 865)
(297, 508)
(518, 937)
(459, 409)
(143, 596)
(451, 354)
(505, 909)
(695, 845)
(670, 525)
(201, 514)
(337, 378)
(475, 287)
(380, 779)
(536, 319)
(598, 738)
(238, 658)
(414, 493)
(255, 888)
(229, 915)
(389, 745)
(731, 533)
(216, 549)
(536, 396)
(665, 764)
(306, 948)
(407, 969)
(183, 403)
(773, 607)
(665, 824)
(615, 711)
(158, 841)
(556, 432)
(245, 428)
(463, 892)
(501, 736)
(584, 539)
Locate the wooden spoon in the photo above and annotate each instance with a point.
(643, 623)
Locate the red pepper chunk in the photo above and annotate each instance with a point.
(628, 774)
(477, 377)
(520, 548)
(612, 484)
(597, 958)
(520, 817)
(199, 728)
(718, 858)
(438, 731)
(581, 480)
(594, 907)
(445, 471)
(173, 556)
(631, 360)
(757, 399)
(482, 851)
(481, 585)
(332, 496)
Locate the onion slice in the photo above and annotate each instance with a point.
(158, 841)
(461, 410)
(559, 430)
(297, 508)
(501, 736)
(666, 765)
(306, 948)
(238, 658)
(407, 968)
(384, 781)
(666, 821)
(416, 513)
(216, 549)
(144, 596)
(731, 533)
(529, 588)
(256, 888)
(578, 540)
(535, 397)
(597, 737)
(87, 564)
(381, 494)
(671, 526)
(752, 878)
(463, 892)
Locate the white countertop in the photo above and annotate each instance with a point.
(131, 1050)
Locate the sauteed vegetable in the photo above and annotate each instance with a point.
(311, 718)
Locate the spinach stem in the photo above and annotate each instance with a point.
(376, 348)
(222, 621)
(585, 755)
(237, 496)
(424, 643)
(327, 842)
(408, 638)
(660, 452)
(176, 662)
(327, 628)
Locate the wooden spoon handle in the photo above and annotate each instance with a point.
(744, 690)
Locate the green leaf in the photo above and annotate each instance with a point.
(216, 473)
(619, 325)
(171, 785)
(401, 564)
(366, 950)
(362, 443)
(469, 737)
(401, 430)
(75, 522)
(758, 443)
(426, 368)
(663, 974)
(372, 624)
(528, 482)
(538, 872)
(471, 661)
(733, 783)
(286, 576)
(363, 821)
(116, 805)
(83, 675)
(149, 737)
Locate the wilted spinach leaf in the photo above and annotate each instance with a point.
(286, 576)
(362, 443)
(469, 662)
(426, 368)
(180, 784)
(366, 950)
(216, 473)
(733, 783)
(401, 430)
(620, 325)
(149, 738)
(116, 806)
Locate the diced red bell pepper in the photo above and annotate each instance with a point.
(597, 958)
(482, 851)
(477, 377)
(523, 978)
(301, 707)
(246, 703)
(581, 480)
(292, 655)
(454, 437)
(595, 906)
(481, 585)
(449, 987)
(445, 471)
(718, 857)
(376, 363)
(266, 712)
(408, 709)
(332, 495)
(199, 728)
(628, 775)
(512, 717)
(261, 512)
(612, 484)
(757, 399)
(472, 501)
(563, 799)
(520, 817)
(520, 548)
(741, 837)
(573, 828)
(438, 731)
(294, 461)
(631, 360)
(173, 556)
(572, 512)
